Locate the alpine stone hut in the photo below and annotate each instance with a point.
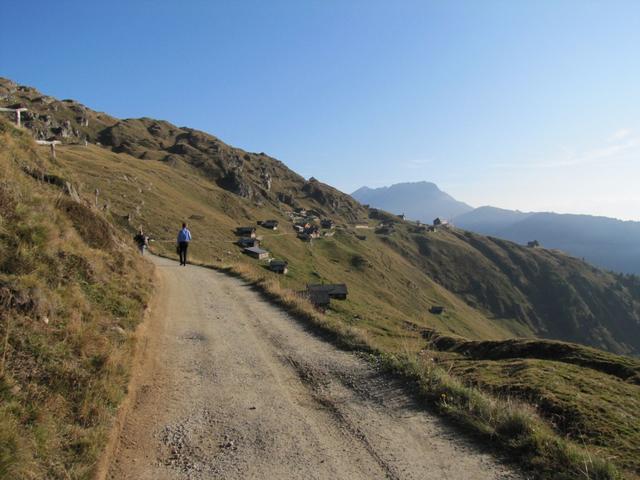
(246, 232)
(256, 252)
(279, 266)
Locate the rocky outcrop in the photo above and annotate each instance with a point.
(236, 183)
(265, 176)
(51, 119)
(254, 176)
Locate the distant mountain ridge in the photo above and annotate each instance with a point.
(606, 242)
(422, 201)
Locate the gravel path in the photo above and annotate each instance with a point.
(231, 387)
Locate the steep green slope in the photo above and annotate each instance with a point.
(508, 289)
(551, 294)
(71, 292)
(155, 196)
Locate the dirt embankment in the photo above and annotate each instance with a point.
(232, 387)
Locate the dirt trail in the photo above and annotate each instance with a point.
(232, 387)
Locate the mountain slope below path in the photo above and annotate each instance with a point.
(233, 387)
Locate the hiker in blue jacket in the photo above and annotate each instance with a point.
(184, 237)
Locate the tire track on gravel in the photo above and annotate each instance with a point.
(232, 387)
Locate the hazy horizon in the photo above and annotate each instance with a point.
(480, 205)
(530, 106)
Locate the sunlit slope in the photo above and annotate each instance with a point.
(548, 292)
(490, 288)
(72, 290)
(390, 285)
(159, 174)
(386, 291)
(152, 174)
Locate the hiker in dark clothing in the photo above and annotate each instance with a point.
(184, 237)
(141, 240)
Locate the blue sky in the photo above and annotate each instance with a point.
(532, 105)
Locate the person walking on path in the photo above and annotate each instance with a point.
(184, 237)
(141, 240)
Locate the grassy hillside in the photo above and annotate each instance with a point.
(588, 395)
(606, 242)
(551, 294)
(387, 309)
(490, 288)
(158, 197)
(152, 174)
(71, 292)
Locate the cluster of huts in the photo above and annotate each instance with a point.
(306, 231)
(250, 244)
(387, 227)
(308, 226)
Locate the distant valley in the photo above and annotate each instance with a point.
(605, 242)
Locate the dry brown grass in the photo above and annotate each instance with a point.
(69, 303)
